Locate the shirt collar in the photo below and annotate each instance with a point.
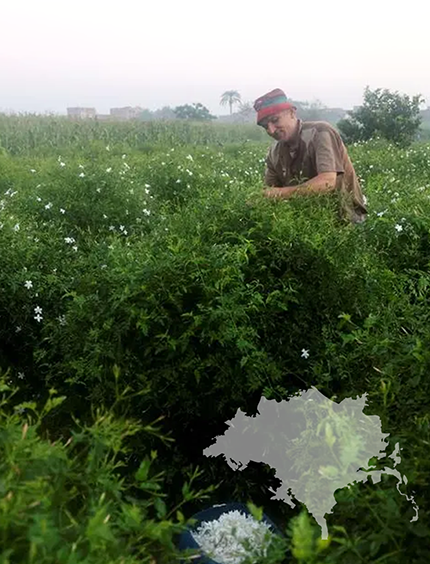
(294, 142)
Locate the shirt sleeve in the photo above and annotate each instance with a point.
(271, 178)
(328, 152)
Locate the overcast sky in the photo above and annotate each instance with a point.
(152, 53)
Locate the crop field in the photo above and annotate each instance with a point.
(148, 291)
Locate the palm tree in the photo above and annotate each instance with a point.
(230, 97)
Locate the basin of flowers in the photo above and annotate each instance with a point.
(227, 534)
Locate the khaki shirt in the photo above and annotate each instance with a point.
(317, 147)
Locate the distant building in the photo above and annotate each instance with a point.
(126, 113)
(103, 117)
(81, 113)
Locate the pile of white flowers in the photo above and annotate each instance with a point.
(222, 539)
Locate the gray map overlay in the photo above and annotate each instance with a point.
(315, 445)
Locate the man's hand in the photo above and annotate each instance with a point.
(324, 183)
(282, 193)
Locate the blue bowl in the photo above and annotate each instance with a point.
(186, 540)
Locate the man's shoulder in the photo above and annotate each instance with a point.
(312, 130)
(273, 150)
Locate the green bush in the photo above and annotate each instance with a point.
(207, 303)
(391, 115)
(69, 500)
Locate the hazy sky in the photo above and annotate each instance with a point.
(151, 53)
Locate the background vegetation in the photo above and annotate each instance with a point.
(144, 299)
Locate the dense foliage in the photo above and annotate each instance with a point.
(391, 115)
(196, 112)
(145, 281)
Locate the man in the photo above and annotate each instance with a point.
(309, 157)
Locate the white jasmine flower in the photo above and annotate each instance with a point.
(62, 319)
(305, 353)
(38, 318)
(111, 227)
(62, 164)
(124, 156)
(107, 148)
(98, 190)
(38, 310)
(21, 375)
(28, 284)
(18, 329)
(109, 169)
(398, 227)
(146, 212)
(16, 227)
(75, 248)
(147, 186)
(105, 216)
(189, 157)
(32, 170)
(48, 206)
(223, 539)
(82, 175)
(39, 199)
(69, 240)
(81, 166)
(121, 227)
(62, 210)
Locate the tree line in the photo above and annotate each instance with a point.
(390, 115)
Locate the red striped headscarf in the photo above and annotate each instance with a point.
(271, 103)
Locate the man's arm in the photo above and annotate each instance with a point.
(323, 183)
(271, 177)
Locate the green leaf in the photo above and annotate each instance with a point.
(180, 516)
(160, 507)
(142, 472)
(415, 380)
(149, 486)
(52, 403)
(256, 512)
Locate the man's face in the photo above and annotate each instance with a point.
(281, 126)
